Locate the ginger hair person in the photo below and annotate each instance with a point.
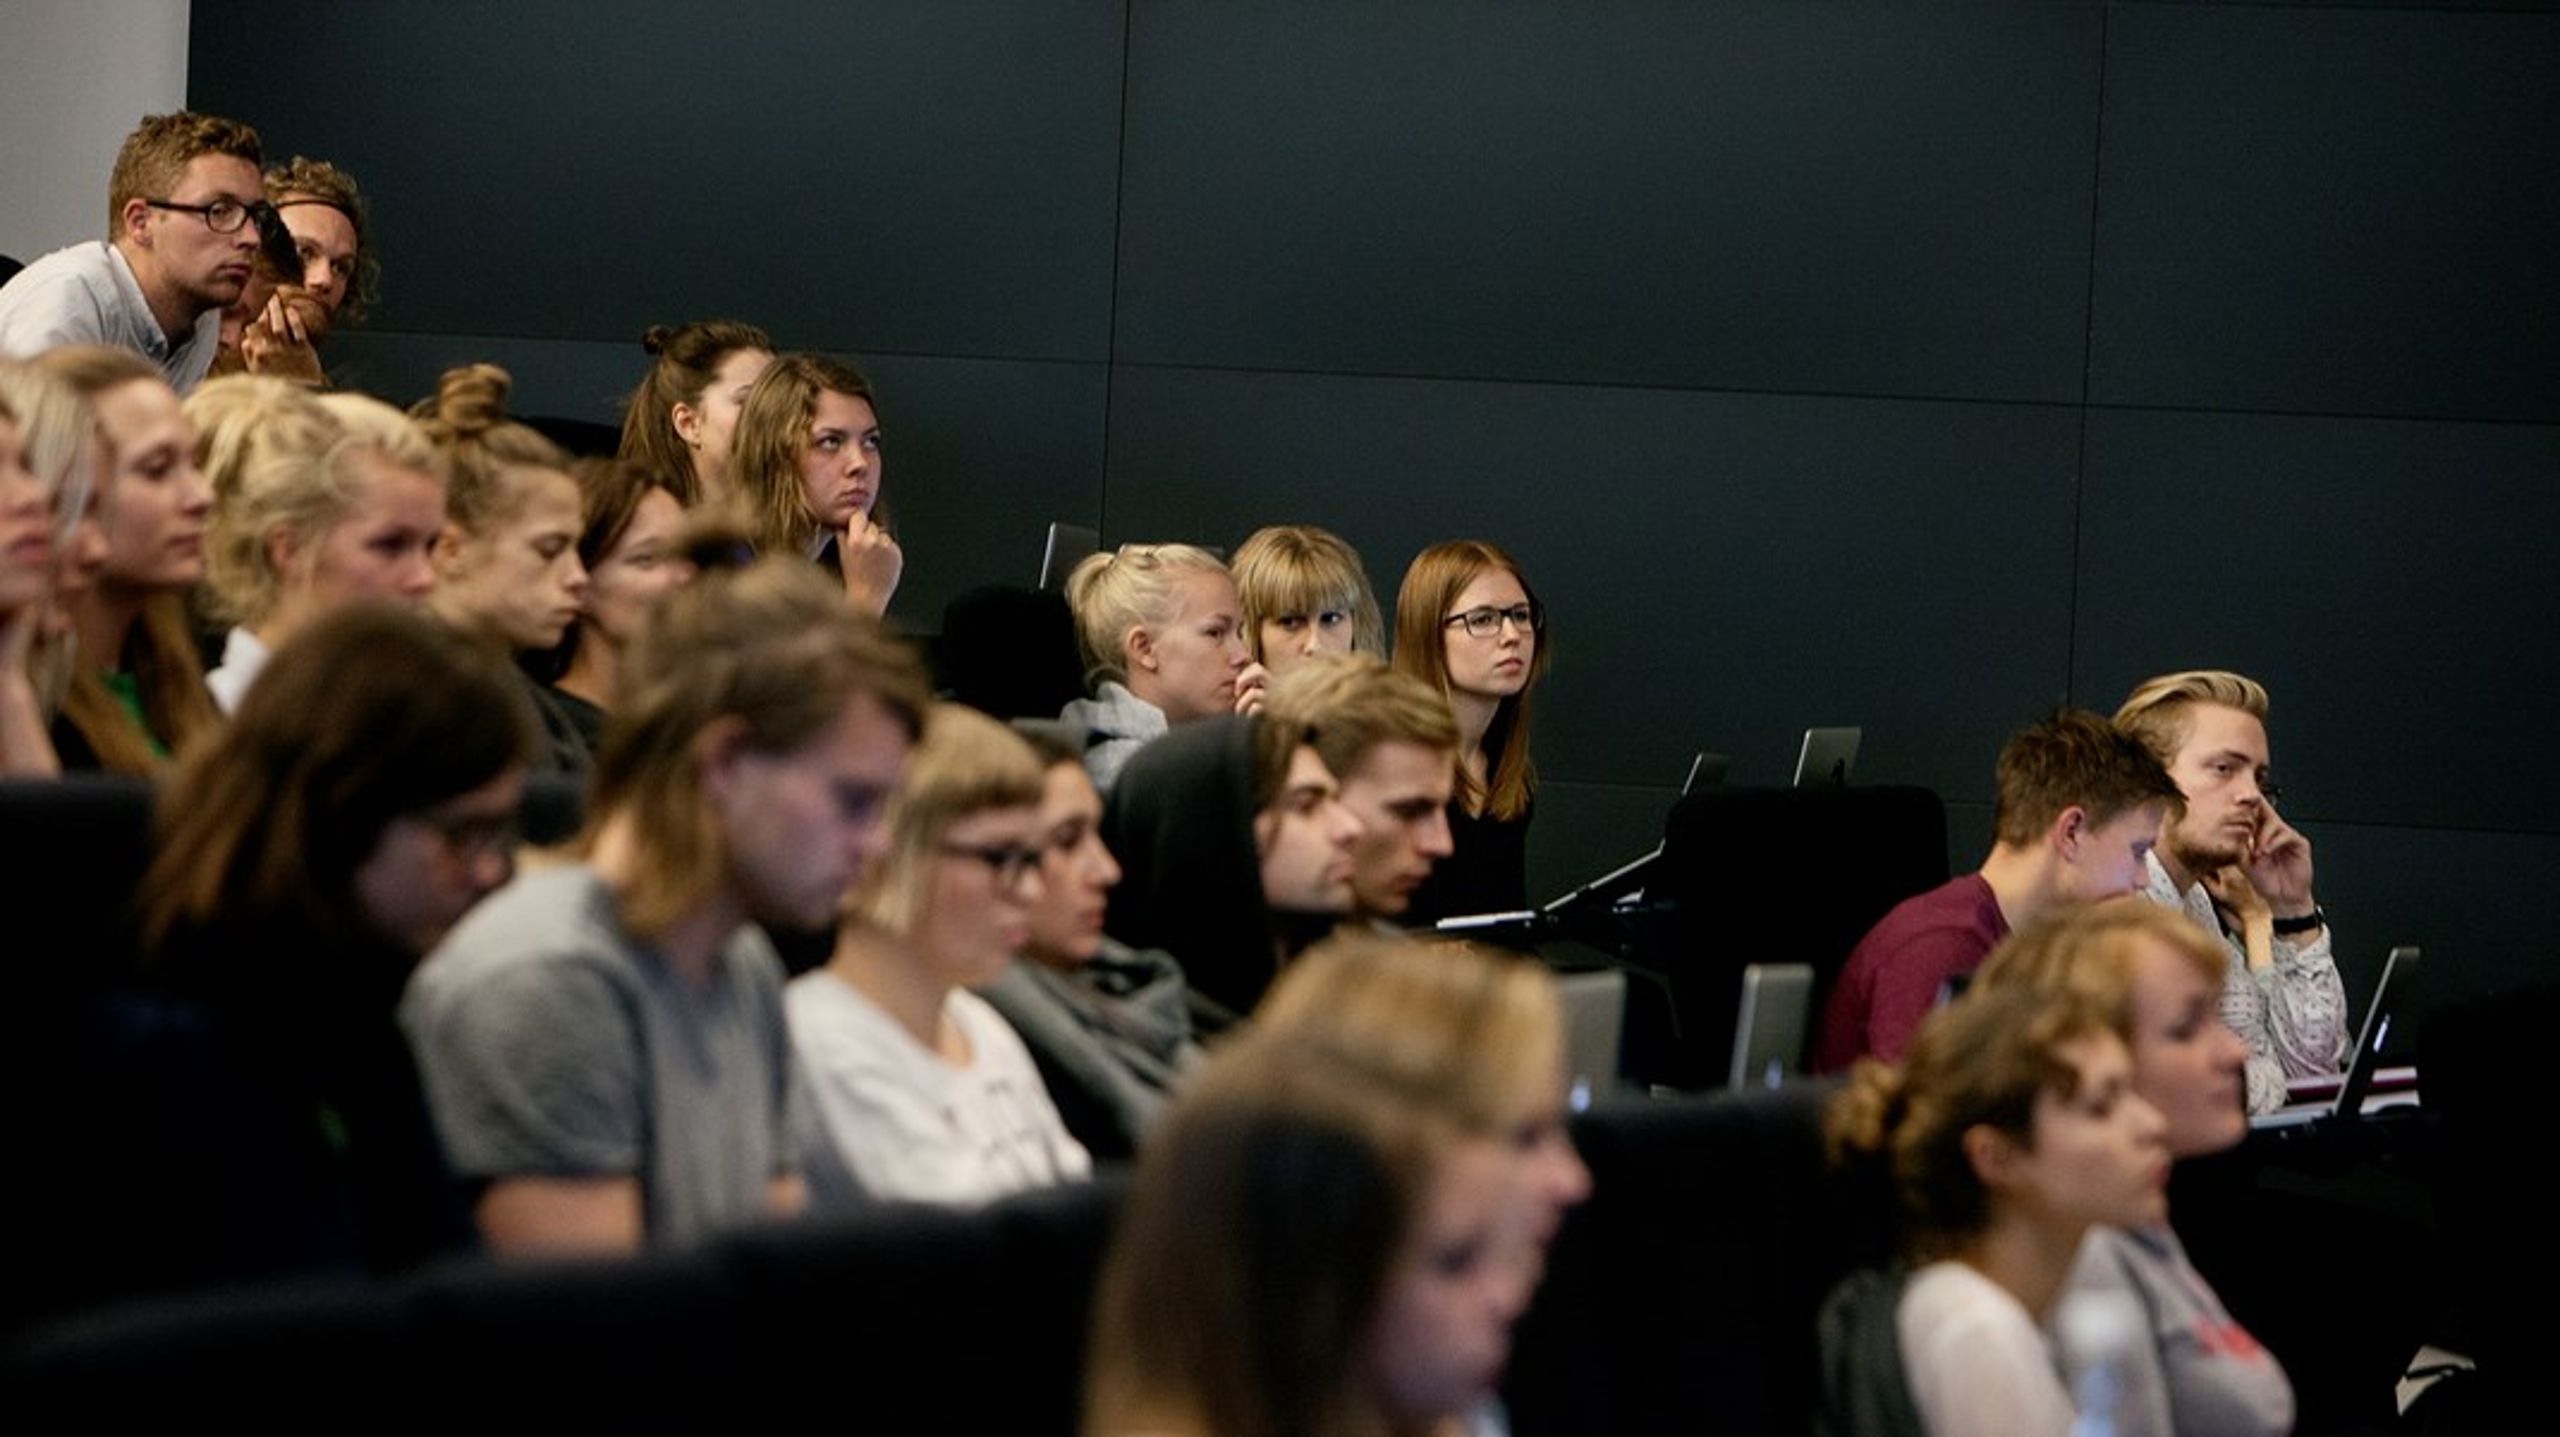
(681, 417)
(1468, 624)
(137, 695)
(309, 512)
(1305, 592)
(808, 464)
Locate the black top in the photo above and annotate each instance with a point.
(1488, 871)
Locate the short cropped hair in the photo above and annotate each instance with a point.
(1354, 702)
(152, 158)
(1130, 587)
(2158, 709)
(305, 181)
(2074, 759)
(1301, 569)
(775, 645)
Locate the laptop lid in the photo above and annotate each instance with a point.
(1769, 1028)
(1066, 546)
(1827, 756)
(2397, 972)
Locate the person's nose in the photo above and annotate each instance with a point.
(1433, 837)
(575, 581)
(1101, 869)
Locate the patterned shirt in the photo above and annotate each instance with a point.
(2293, 1015)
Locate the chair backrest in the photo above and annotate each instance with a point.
(1783, 875)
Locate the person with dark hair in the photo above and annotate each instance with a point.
(806, 461)
(2009, 1131)
(604, 1042)
(185, 210)
(361, 800)
(681, 417)
(508, 570)
(1235, 852)
(1304, 1253)
(629, 546)
(331, 227)
(1468, 626)
(138, 694)
(1107, 1023)
(2080, 804)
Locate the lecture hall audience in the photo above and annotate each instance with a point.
(366, 1030)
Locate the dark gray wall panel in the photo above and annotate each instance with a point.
(1585, 829)
(2467, 898)
(2323, 211)
(2390, 581)
(1858, 198)
(881, 176)
(981, 454)
(1722, 570)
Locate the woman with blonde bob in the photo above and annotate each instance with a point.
(2009, 1130)
(806, 462)
(2160, 977)
(137, 693)
(1475, 1033)
(1304, 592)
(317, 501)
(1468, 625)
(1164, 644)
(49, 455)
(1303, 1253)
(919, 1091)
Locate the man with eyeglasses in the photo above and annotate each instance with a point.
(186, 208)
(2230, 863)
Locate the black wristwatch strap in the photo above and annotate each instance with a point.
(2316, 918)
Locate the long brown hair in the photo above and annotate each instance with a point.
(1271, 1207)
(1437, 576)
(684, 360)
(372, 712)
(772, 432)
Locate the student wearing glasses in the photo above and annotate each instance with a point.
(1467, 624)
(185, 208)
(919, 1092)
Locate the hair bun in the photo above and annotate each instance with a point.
(473, 399)
(655, 338)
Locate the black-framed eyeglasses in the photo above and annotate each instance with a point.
(469, 835)
(1485, 621)
(225, 216)
(1009, 862)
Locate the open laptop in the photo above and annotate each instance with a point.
(1827, 756)
(1769, 1027)
(2364, 1066)
(1618, 885)
(1067, 545)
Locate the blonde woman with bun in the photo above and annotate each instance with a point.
(310, 512)
(1164, 644)
(507, 565)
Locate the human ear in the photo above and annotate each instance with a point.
(2069, 829)
(136, 222)
(716, 752)
(1139, 647)
(1992, 1154)
(688, 424)
(447, 552)
(284, 548)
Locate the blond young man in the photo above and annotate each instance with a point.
(2239, 870)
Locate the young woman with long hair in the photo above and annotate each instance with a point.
(631, 546)
(807, 463)
(137, 694)
(1468, 624)
(680, 417)
(49, 456)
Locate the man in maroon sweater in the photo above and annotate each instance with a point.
(2081, 802)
